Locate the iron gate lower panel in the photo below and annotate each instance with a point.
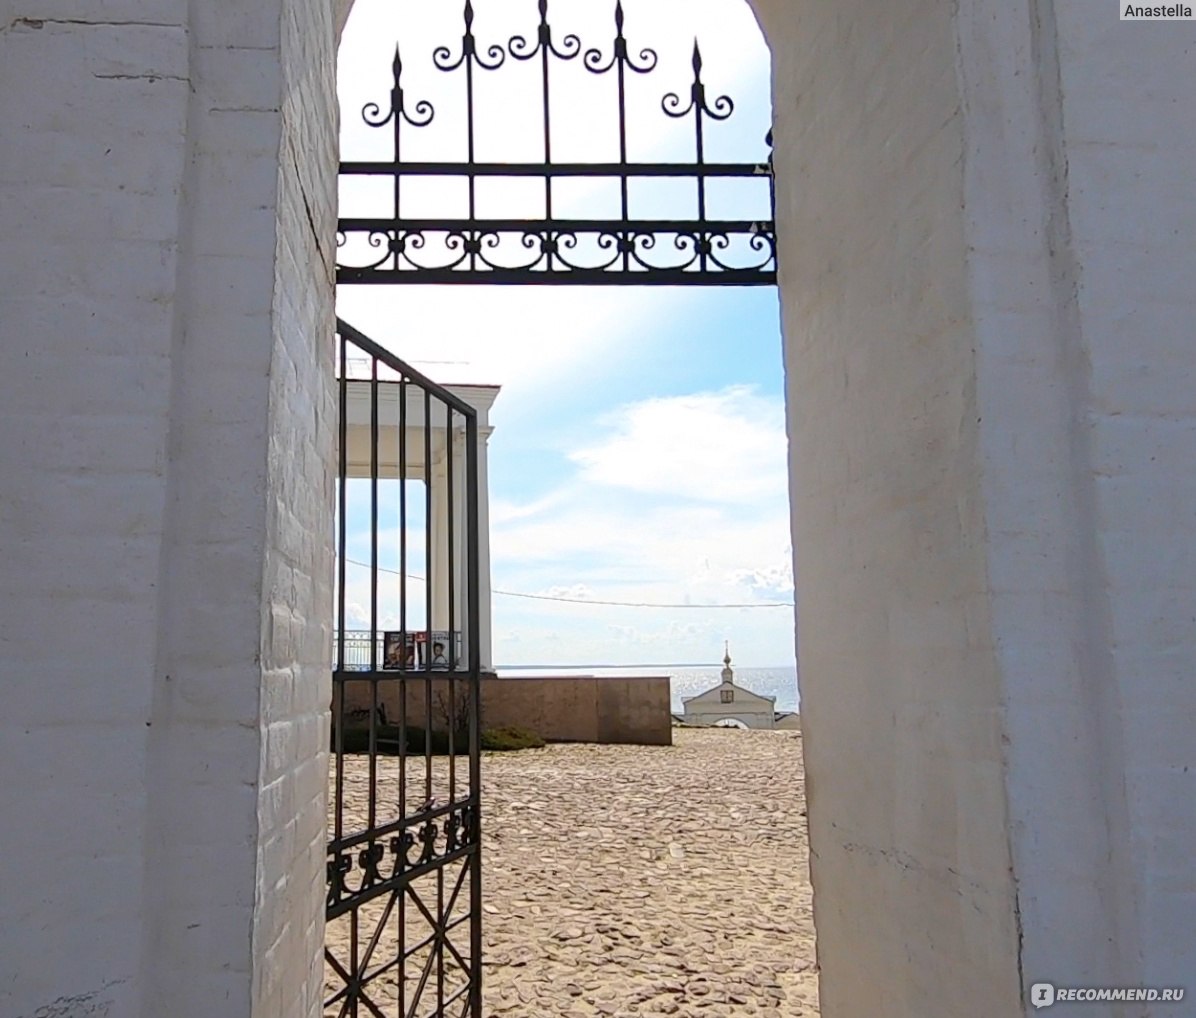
(403, 909)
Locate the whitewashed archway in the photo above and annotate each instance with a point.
(986, 316)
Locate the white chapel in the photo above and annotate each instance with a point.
(729, 705)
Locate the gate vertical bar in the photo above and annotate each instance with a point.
(545, 34)
(475, 714)
(470, 141)
(453, 663)
(431, 561)
(402, 680)
(396, 102)
(339, 689)
(624, 180)
(373, 720)
(699, 103)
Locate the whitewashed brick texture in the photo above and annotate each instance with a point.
(93, 106)
(297, 595)
(1130, 147)
(986, 293)
(165, 438)
(901, 693)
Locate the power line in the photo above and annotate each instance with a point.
(642, 604)
(584, 600)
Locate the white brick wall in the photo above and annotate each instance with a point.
(900, 685)
(1086, 388)
(1032, 398)
(985, 279)
(92, 112)
(165, 408)
(1130, 147)
(297, 605)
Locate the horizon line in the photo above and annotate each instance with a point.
(718, 664)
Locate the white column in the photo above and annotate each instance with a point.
(438, 529)
(461, 545)
(485, 620)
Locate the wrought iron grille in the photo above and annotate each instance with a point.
(402, 247)
(403, 885)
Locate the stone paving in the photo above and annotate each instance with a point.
(649, 881)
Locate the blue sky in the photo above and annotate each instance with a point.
(639, 447)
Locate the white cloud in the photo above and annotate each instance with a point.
(673, 500)
(521, 337)
(649, 519)
(718, 447)
(772, 579)
(676, 500)
(504, 511)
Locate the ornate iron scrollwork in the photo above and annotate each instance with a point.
(357, 876)
(406, 248)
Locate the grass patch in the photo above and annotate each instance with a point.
(510, 738)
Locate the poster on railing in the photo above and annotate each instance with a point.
(398, 651)
(438, 650)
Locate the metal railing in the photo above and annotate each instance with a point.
(358, 656)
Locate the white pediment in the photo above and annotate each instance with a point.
(741, 696)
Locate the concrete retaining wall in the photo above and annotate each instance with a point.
(572, 708)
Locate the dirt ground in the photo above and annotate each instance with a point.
(648, 881)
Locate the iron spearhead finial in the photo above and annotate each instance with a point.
(397, 64)
(619, 16)
(697, 58)
(543, 11)
(468, 15)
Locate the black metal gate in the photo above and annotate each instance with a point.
(698, 249)
(404, 849)
(404, 877)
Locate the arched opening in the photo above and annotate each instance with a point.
(917, 234)
(685, 383)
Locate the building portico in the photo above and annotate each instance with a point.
(432, 433)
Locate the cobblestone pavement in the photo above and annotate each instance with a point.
(648, 881)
